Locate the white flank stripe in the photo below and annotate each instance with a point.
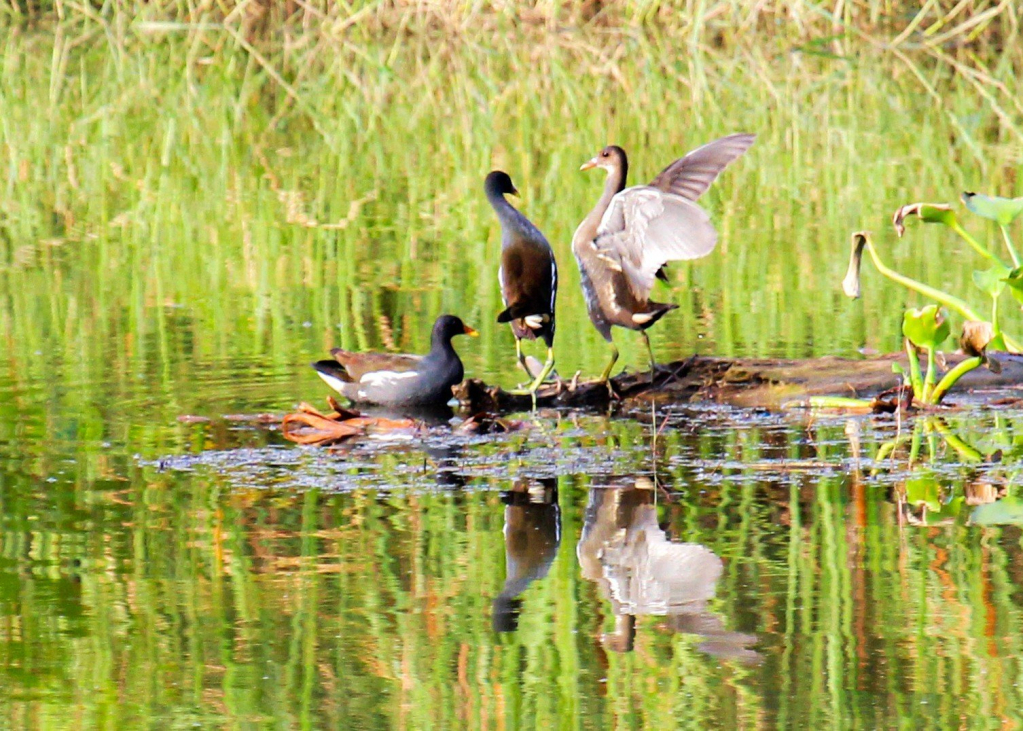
(382, 378)
(336, 383)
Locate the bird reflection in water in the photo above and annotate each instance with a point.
(532, 534)
(623, 549)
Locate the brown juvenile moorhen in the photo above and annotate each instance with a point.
(632, 233)
(397, 379)
(528, 275)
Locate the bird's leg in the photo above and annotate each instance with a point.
(518, 353)
(605, 376)
(544, 372)
(650, 352)
(540, 378)
(522, 360)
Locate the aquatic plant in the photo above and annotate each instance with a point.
(925, 329)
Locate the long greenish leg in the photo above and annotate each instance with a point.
(650, 352)
(538, 381)
(544, 372)
(522, 361)
(518, 354)
(607, 371)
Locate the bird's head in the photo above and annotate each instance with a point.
(500, 183)
(610, 158)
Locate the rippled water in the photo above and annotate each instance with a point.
(736, 569)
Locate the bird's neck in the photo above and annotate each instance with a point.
(614, 185)
(515, 227)
(440, 347)
(498, 201)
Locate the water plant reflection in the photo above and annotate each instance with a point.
(928, 494)
(642, 572)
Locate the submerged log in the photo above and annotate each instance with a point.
(747, 382)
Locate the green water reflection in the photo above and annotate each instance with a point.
(743, 570)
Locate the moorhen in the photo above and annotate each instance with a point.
(528, 276)
(632, 233)
(397, 379)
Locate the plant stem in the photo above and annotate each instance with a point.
(950, 301)
(963, 449)
(1009, 246)
(944, 298)
(885, 450)
(914, 370)
(932, 370)
(954, 375)
(957, 227)
(841, 402)
(914, 447)
(994, 314)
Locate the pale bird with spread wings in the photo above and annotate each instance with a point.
(632, 233)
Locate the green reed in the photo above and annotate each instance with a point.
(189, 197)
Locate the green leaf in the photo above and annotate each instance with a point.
(1002, 210)
(948, 512)
(1008, 510)
(926, 212)
(993, 280)
(927, 327)
(1015, 282)
(923, 489)
(898, 369)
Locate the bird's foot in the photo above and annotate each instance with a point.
(612, 392)
(531, 392)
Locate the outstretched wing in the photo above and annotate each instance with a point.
(690, 176)
(644, 228)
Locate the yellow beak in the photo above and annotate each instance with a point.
(589, 164)
(471, 333)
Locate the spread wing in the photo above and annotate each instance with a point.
(644, 228)
(690, 176)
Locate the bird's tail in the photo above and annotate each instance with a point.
(333, 374)
(654, 311)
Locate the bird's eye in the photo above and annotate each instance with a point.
(604, 153)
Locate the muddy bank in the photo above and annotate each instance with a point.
(747, 382)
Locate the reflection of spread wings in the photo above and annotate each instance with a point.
(690, 176)
(644, 228)
(648, 574)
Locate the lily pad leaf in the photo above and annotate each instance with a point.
(926, 327)
(926, 212)
(1002, 210)
(1008, 510)
(992, 281)
(923, 489)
